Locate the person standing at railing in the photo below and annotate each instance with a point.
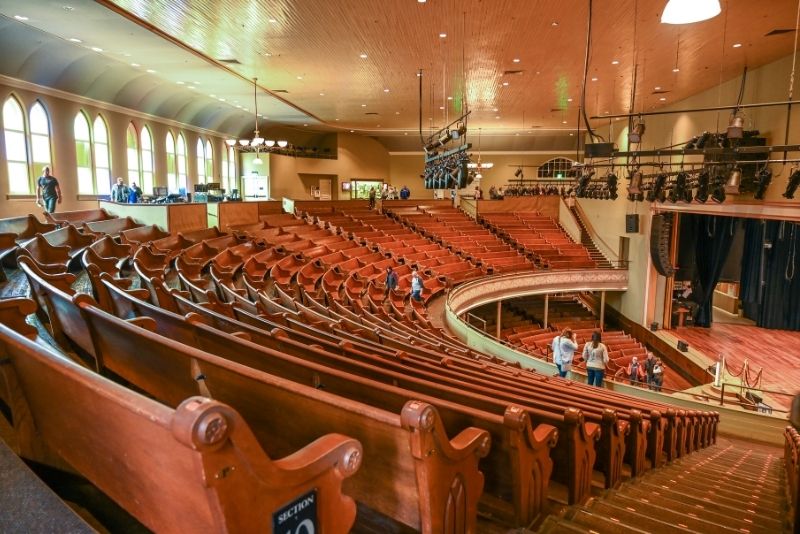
(567, 345)
(595, 354)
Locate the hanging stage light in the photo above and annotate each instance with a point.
(762, 181)
(703, 182)
(791, 187)
(734, 181)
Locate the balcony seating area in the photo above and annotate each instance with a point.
(541, 237)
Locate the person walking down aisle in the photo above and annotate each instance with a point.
(48, 191)
(391, 282)
(119, 192)
(595, 355)
(372, 198)
(416, 286)
(566, 348)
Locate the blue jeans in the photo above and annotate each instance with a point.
(595, 377)
(50, 204)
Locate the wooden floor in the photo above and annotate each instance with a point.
(777, 351)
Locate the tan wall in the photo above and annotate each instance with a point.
(358, 157)
(62, 113)
(404, 169)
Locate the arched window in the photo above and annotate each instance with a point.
(557, 168)
(172, 169)
(83, 153)
(147, 160)
(181, 157)
(16, 147)
(40, 137)
(201, 162)
(132, 144)
(209, 162)
(102, 158)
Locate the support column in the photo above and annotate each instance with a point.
(602, 311)
(546, 308)
(499, 316)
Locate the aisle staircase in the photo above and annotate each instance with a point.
(589, 244)
(731, 487)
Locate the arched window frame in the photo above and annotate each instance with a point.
(40, 141)
(83, 155)
(134, 154)
(147, 160)
(102, 157)
(16, 147)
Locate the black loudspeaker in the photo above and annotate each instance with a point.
(653, 327)
(683, 346)
(660, 240)
(632, 223)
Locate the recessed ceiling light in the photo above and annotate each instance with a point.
(594, 79)
(179, 83)
(676, 69)
(299, 77)
(151, 71)
(363, 56)
(363, 105)
(442, 35)
(737, 45)
(663, 98)
(21, 17)
(75, 40)
(554, 23)
(515, 60)
(615, 62)
(505, 84)
(135, 65)
(96, 49)
(385, 90)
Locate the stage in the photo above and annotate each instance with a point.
(776, 351)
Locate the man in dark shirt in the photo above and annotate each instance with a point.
(47, 190)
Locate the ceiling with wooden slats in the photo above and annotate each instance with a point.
(353, 64)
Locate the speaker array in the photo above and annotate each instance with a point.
(660, 240)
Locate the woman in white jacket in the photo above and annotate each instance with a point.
(595, 355)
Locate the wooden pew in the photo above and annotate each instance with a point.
(197, 468)
(412, 473)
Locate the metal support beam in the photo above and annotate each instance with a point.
(499, 317)
(602, 311)
(546, 308)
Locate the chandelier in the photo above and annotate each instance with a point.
(257, 142)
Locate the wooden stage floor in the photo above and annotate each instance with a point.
(776, 351)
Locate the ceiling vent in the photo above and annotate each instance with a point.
(230, 61)
(512, 72)
(779, 31)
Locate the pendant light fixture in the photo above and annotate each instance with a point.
(690, 11)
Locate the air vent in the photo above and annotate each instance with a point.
(779, 31)
(370, 113)
(512, 72)
(230, 61)
(279, 91)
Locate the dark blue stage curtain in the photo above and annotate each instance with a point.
(713, 239)
(777, 304)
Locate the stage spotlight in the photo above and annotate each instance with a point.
(791, 187)
(636, 133)
(635, 187)
(762, 181)
(736, 127)
(703, 182)
(734, 181)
